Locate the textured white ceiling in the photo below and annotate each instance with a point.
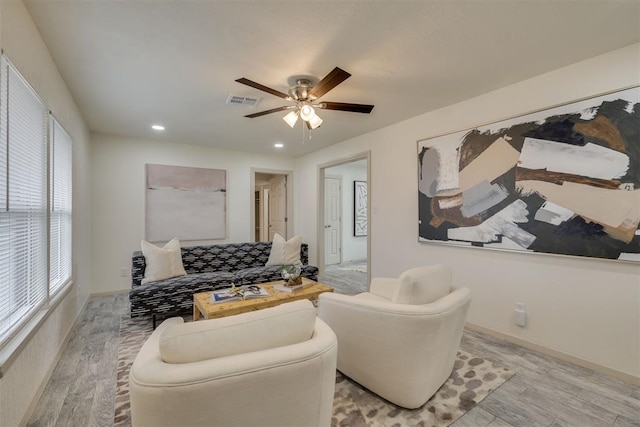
(129, 64)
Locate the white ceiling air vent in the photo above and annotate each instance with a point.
(243, 100)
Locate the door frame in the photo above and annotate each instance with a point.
(366, 155)
(289, 174)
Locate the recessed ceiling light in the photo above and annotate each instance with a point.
(157, 127)
(278, 145)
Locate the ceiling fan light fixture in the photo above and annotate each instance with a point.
(315, 121)
(291, 118)
(307, 112)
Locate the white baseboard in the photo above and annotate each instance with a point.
(100, 294)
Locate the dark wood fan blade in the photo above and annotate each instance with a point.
(345, 106)
(273, 110)
(331, 80)
(262, 88)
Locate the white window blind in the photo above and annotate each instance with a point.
(59, 207)
(23, 201)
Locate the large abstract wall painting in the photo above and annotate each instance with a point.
(565, 180)
(186, 203)
(359, 208)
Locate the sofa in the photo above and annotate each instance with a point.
(271, 367)
(208, 268)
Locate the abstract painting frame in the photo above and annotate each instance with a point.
(563, 180)
(360, 208)
(187, 203)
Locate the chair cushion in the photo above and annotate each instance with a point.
(423, 285)
(286, 324)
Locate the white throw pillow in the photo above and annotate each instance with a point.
(162, 263)
(285, 252)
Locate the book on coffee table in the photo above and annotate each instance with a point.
(284, 288)
(240, 293)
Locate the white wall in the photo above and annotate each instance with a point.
(353, 248)
(26, 374)
(118, 185)
(584, 308)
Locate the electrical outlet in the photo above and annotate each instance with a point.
(124, 272)
(520, 315)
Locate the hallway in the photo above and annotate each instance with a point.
(346, 278)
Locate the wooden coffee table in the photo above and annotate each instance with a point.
(202, 304)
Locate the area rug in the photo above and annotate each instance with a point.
(471, 380)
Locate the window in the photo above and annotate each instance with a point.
(59, 207)
(35, 203)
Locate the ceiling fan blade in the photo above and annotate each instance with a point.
(273, 110)
(262, 88)
(345, 106)
(331, 80)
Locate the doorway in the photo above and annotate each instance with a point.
(343, 237)
(271, 207)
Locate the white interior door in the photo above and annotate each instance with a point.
(264, 220)
(332, 218)
(278, 206)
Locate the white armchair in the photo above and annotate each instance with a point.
(400, 339)
(272, 367)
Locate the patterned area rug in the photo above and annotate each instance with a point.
(471, 380)
(133, 333)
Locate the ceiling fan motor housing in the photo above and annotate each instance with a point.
(300, 92)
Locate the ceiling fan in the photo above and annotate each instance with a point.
(304, 93)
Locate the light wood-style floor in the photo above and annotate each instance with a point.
(346, 278)
(543, 392)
